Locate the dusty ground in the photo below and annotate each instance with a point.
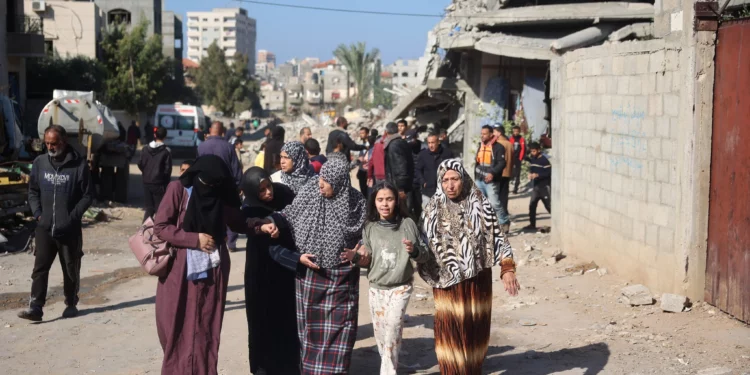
(562, 323)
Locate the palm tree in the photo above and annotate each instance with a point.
(360, 64)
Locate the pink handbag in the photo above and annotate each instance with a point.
(152, 253)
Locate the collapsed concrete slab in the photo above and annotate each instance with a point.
(583, 38)
(535, 47)
(560, 14)
(639, 30)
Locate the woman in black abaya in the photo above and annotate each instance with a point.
(270, 281)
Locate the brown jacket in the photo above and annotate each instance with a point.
(508, 171)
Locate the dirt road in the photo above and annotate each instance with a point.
(562, 322)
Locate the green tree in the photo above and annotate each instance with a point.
(228, 87)
(78, 73)
(361, 65)
(136, 68)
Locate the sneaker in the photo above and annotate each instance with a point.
(35, 315)
(232, 249)
(70, 312)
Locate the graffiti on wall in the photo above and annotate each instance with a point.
(632, 142)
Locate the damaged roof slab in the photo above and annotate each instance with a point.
(522, 47)
(559, 14)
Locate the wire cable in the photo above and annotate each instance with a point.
(373, 12)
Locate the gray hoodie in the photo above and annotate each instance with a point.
(60, 193)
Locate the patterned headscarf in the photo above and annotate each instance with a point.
(464, 235)
(325, 226)
(302, 171)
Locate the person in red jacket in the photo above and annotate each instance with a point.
(376, 163)
(519, 152)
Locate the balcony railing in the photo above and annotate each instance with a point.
(25, 37)
(25, 25)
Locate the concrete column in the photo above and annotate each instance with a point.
(694, 154)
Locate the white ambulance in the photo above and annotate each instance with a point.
(183, 123)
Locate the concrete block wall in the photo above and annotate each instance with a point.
(616, 169)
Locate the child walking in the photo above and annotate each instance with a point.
(390, 241)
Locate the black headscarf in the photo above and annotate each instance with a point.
(250, 185)
(213, 187)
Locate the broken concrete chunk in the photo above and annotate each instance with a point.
(637, 295)
(601, 271)
(673, 302)
(558, 255)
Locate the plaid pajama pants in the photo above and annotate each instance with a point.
(327, 309)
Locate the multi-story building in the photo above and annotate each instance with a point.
(64, 35)
(171, 27)
(132, 12)
(73, 28)
(267, 57)
(404, 73)
(231, 28)
(20, 38)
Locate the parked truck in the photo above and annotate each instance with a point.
(92, 130)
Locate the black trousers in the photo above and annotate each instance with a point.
(70, 250)
(152, 196)
(516, 174)
(414, 203)
(539, 193)
(362, 177)
(504, 192)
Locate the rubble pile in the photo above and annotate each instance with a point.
(320, 126)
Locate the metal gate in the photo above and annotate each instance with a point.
(728, 262)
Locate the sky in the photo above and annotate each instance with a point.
(304, 33)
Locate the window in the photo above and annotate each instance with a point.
(205, 20)
(415, 74)
(49, 48)
(118, 16)
(205, 29)
(216, 29)
(228, 19)
(404, 74)
(193, 29)
(193, 19)
(177, 122)
(216, 20)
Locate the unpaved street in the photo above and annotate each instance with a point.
(562, 322)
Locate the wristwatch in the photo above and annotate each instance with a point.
(356, 258)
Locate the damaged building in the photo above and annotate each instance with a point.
(626, 92)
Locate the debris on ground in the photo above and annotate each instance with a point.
(581, 268)
(673, 302)
(637, 295)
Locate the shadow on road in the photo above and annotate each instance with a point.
(419, 355)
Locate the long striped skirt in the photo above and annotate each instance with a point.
(462, 325)
(327, 311)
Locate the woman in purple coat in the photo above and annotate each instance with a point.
(193, 217)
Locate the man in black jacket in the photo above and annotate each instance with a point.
(488, 172)
(540, 174)
(339, 138)
(399, 165)
(60, 191)
(156, 169)
(427, 164)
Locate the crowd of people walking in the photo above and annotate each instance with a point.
(310, 231)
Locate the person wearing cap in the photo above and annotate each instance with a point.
(491, 160)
